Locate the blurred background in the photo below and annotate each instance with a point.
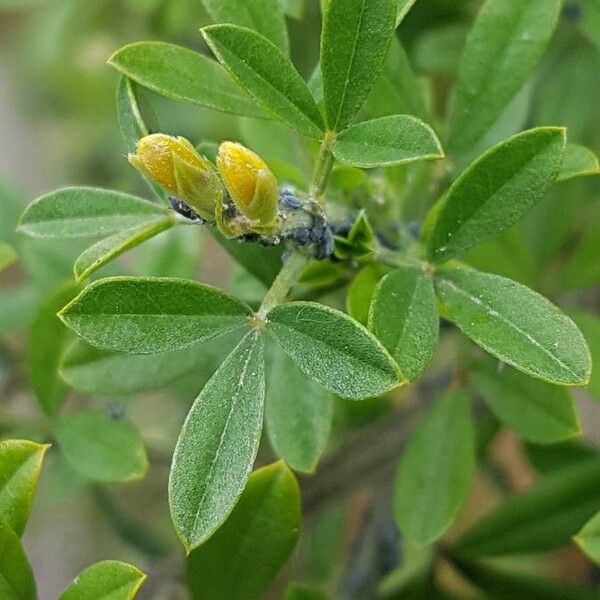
(58, 126)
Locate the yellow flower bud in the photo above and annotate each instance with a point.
(174, 164)
(250, 183)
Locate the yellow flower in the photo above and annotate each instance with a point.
(250, 183)
(174, 164)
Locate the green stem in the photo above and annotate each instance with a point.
(287, 278)
(323, 165)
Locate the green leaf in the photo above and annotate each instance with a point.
(516, 325)
(398, 89)
(437, 50)
(80, 212)
(301, 592)
(502, 49)
(107, 580)
(590, 327)
(298, 414)
(564, 455)
(16, 576)
(263, 263)
(541, 519)
(98, 372)
(517, 585)
(436, 470)
(102, 448)
(588, 539)
(579, 162)
(218, 444)
(495, 192)
(132, 125)
(267, 75)
(388, 141)
(589, 20)
(242, 558)
(20, 466)
(582, 269)
(7, 256)
(108, 249)
(404, 7)
(265, 17)
(146, 315)
(294, 8)
(354, 43)
(404, 318)
(182, 74)
(359, 243)
(129, 115)
(539, 412)
(48, 339)
(361, 291)
(334, 350)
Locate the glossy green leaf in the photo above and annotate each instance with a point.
(110, 248)
(242, 558)
(265, 17)
(579, 162)
(502, 49)
(334, 350)
(398, 89)
(589, 325)
(146, 315)
(404, 7)
(549, 459)
(80, 212)
(354, 43)
(16, 576)
(388, 141)
(361, 291)
(404, 318)
(102, 448)
(218, 444)
(588, 539)
(298, 413)
(267, 75)
(541, 519)
(495, 192)
(516, 325)
(98, 372)
(7, 256)
(107, 580)
(436, 470)
(539, 412)
(516, 585)
(182, 74)
(48, 338)
(20, 466)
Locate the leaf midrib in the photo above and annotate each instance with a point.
(511, 325)
(234, 403)
(287, 101)
(393, 367)
(350, 65)
(481, 207)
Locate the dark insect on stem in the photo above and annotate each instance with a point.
(181, 208)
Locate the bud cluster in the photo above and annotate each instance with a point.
(239, 194)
